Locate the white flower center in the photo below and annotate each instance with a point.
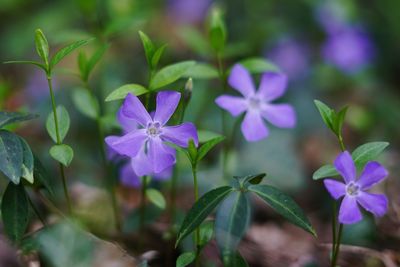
(254, 102)
(352, 189)
(153, 129)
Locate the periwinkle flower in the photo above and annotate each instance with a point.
(349, 49)
(188, 11)
(257, 105)
(146, 145)
(355, 190)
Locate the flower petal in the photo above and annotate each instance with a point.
(180, 134)
(161, 156)
(377, 204)
(235, 105)
(335, 188)
(240, 79)
(164, 175)
(167, 101)
(280, 115)
(127, 123)
(272, 85)
(349, 212)
(129, 144)
(142, 164)
(372, 174)
(253, 127)
(134, 109)
(128, 177)
(344, 164)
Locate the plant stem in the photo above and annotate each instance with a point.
(64, 182)
(143, 203)
(197, 231)
(334, 214)
(336, 249)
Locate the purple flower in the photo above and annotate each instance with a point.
(292, 56)
(355, 190)
(349, 49)
(257, 105)
(146, 145)
(188, 11)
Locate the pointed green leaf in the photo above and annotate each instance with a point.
(12, 117)
(82, 64)
(207, 146)
(28, 161)
(202, 71)
(258, 65)
(42, 46)
(245, 181)
(94, 59)
(41, 176)
(156, 197)
(30, 62)
(217, 30)
(62, 153)
(201, 209)
(367, 152)
(148, 46)
(65, 51)
(232, 221)
(327, 114)
(206, 232)
(124, 90)
(192, 151)
(170, 74)
(15, 211)
(339, 120)
(11, 156)
(63, 123)
(86, 103)
(185, 259)
(157, 55)
(325, 171)
(284, 205)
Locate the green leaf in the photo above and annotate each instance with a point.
(148, 46)
(201, 209)
(65, 51)
(258, 65)
(284, 205)
(234, 260)
(157, 55)
(30, 62)
(207, 146)
(82, 64)
(217, 30)
(202, 71)
(325, 171)
(205, 136)
(27, 162)
(245, 181)
(11, 156)
(156, 197)
(15, 211)
(12, 117)
(192, 152)
(42, 46)
(206, 232)
(185, 259)
(170, 74)
(367, 152)
(124, 90)
(94, 59)
(63, 123)
(62, 153)
(339, 120)
(195, 40)
(232, 221)
(86, 103)
(327, 114)
(41, 176)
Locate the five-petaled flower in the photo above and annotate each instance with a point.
(355, 190)
(257, 105)
(146, 145)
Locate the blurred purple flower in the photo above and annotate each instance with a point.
(146, 145)
(332, 16)
(36, 87)
(257, 105)
(291, 56)
(349, 49)
(188, 11)
(354, 190)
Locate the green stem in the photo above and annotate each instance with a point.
(196, 198)
(336, 249)
(64, 182)
(143, 203)
(334, 222)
